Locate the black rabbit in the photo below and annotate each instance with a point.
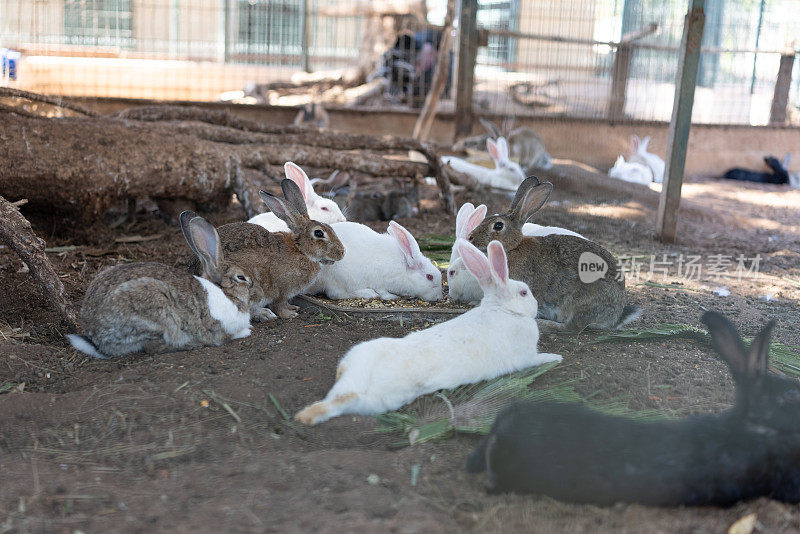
(779, 174)
(575, 454)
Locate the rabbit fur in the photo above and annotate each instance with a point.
(573, 453)
(156, 308)
(499, 336)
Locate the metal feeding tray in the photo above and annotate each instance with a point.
(404, 310)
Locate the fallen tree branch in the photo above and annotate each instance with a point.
(16, 231)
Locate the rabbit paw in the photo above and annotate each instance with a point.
(260, 314)
(285, 311)
(366, 294)
(385, 295)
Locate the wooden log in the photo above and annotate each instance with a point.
(16, 232)
(465, 67)
(688, 62)
(79, 167)
(780, 98)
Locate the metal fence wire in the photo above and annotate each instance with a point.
(593, 59)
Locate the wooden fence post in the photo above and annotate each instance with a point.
(619, 82)
(621, 70)
(780, 99)
(688, 62)
(465, 67)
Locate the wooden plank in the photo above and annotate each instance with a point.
(688, 62)
(465, 68)
(619, 82)
(780, 99)
(622, 68)
(422, 128)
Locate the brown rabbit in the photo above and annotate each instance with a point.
(552, 267)
(283, 264)
(156, 308)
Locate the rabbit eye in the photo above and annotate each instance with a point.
(241, 278)
(452, 272)
(498, 226)
(319, 234)
(523, 293)
(325, 209)
(429, 277)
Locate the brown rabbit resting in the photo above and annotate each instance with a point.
(156, 308)
(283, 264)
(551, 264)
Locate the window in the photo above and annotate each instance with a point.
(99, 22)
(270, 28)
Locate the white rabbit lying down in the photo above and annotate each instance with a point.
(499, 336)
(631, 172)
(320, 209)
(378, 265)
(506, 175)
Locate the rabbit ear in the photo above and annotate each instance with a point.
(474, 220)
(787, 159)
(475, 262)
(494, 152)
(508, 124)
(758, 352)
(293, 195)
(282, 209)
(299, 176)
(532, 201)
(491, 128)
(338, 179)
(184, 218)
(728, 344)
(463, 213)
(643, 144)
(208, 247)
(406, 241)
(635, 143)
(502, 148)
(498, 262)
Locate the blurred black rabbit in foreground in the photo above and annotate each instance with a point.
(576, 454)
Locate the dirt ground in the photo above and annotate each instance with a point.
(145, 443)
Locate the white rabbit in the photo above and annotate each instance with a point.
(499, 336)
(633, 172)
(506, 175)
(462, 286)
(378, 265)
(320, 209)
(639, 154)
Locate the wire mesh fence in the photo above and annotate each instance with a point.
(568, 58)
(594, 59)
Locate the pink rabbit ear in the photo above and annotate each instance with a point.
(463, 214)
(474, 261)
(635, 143)
(502, 148)
(498, 262)
(474, 220)
(492, 147)
(408, 245)
(298, 176)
